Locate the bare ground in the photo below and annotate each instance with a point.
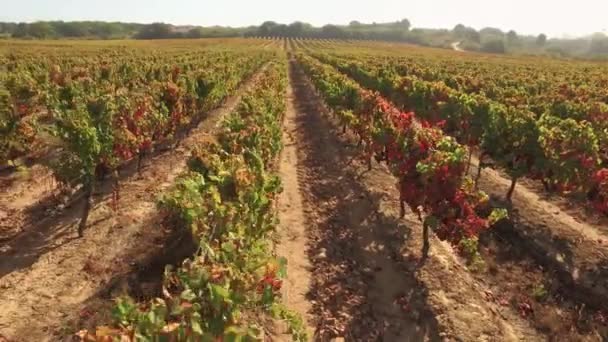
(547, 263)
(559, 237)
(25, 189)
(49, 277)
(367, 281)
(516, 279)
(293, 234)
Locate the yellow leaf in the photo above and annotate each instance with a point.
(169, 328)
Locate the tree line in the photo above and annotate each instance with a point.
(74, 29)
(488, 39)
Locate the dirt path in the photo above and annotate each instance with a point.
(528, 196)
(47, 275)
(355, 283)
(367, 282)
(293, 238)
(456, 47)
(574, 248)
(28, 195)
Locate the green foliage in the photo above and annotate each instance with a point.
(19, 98)
(73, 29)
(41, 30)
(99, 111)
(540, 292)
(429, 165)
(519, 153)
(155, 31)
(497, 215)
(469, 248)
(87, 136)
(227, 203)
(571, 148)
(544, 120)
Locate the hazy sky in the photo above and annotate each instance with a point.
(553, 17)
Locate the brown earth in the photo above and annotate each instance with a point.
(293, 227)
(546, 262)
(558, 233)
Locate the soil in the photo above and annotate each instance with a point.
(23, 189)
(546, 263)
(50, 279)
(292, 232)
(516, 279)
(557, 237)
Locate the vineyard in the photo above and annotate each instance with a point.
(285, 189)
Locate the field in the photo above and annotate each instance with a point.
(259, 189)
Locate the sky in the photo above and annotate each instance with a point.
(556, 18)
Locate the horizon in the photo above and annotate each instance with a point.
(585, 18)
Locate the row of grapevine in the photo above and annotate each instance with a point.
(563, 152)
(515, 81)
(564, 92)
(95, 118)
(430, 166)
(28, 82)
(226, 201)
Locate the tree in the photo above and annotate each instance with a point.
(8, 28)
(333, 31)
(512, 38)
(155, 31)
(41, 29)
(599, 44)
(267, 28)
(21, 30)
(357, 34)
(459, 30)
(109, 30)
(491, 31)
(556, 51)
(472, 35)
(404, 23)
(196, 32)
(280, 30)
(296, 29)
(417, 36)
(74, 29)
(541, 40)
(493, 46)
